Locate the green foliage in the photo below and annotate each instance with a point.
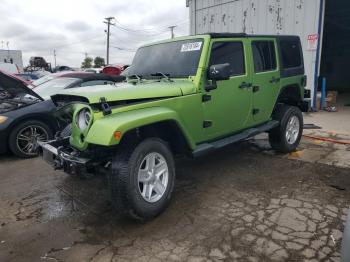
(99, 62)
(87, 63)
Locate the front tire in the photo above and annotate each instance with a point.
(23, 139)
(286, 137)
(142, 179)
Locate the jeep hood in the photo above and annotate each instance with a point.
(126, 91)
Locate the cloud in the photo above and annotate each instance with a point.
(74, 28)
(77, 26)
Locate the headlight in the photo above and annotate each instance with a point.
(3, 119)
(83, 119)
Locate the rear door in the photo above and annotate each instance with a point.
(227, 108)
(265, 78)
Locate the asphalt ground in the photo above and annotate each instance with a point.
(243, 203)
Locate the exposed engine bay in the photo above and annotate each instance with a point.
(10, 101)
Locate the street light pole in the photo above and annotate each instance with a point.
(109, 23)
(172, 31)
(54, 55)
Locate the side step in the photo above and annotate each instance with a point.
(207, 147)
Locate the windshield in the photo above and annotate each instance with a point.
(43, 80)
(178, 59)
(54, 86)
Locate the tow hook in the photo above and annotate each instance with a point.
(57, 164)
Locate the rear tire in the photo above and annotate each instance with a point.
(134, 170)
(286, 137)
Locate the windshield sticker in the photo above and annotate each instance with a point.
(188, 47)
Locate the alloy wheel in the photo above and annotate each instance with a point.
(28, 137)
(153, 177)
(292, 130)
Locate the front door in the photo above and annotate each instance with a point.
(265, 78)
(227, 108)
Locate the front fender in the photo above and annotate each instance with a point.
(102, 131)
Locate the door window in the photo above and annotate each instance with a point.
(264, 56)
(229, 52)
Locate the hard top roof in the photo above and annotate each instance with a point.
(241, 35)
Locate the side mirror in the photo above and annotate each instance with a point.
(219, 72)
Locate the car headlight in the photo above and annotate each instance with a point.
(3, 119)
(83, 119)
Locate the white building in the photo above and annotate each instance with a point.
(323, 26)
(12, 56)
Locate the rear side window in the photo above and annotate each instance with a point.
(229, 52)
(264, 56)
(291, 53)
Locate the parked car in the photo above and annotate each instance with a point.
(26, 117)
(72, 80)
(197, 95)
(9, 68)
(28, 76)
(115, 70)
(38, 61)
(62, 69)
(93, 70)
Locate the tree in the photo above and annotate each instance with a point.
(99, 62)
(87, 63)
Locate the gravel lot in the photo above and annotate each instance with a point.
(238, 204)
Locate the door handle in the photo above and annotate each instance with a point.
(245, 85)
(275, 80)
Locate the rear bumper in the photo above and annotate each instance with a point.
(60, 155)
(306, 106)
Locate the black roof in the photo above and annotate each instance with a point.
(91, 76)
(241, 35)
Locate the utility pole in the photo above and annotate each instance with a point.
(109, 23)
(172, 30)
(54, 55)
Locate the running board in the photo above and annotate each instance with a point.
(207, 147)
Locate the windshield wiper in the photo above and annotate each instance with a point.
(167, 76)
(135, 76)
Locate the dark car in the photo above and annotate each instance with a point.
(38, 61)
(28, 76)
(62, 69)
(27, 117)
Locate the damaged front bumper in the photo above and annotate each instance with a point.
(60, 155)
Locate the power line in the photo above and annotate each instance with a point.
(147, 31)
(124, 49)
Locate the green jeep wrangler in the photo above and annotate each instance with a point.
(189, 96)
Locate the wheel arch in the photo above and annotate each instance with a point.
(167, 130)
(46, 119)
(151, 121)
(290, 95)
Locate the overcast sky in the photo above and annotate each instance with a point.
(75, 27)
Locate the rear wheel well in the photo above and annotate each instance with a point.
(168, 131)
(41, 118)
(289, 95)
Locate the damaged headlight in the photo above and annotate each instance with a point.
(83, 119)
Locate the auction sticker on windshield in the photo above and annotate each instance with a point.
(188, 47)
